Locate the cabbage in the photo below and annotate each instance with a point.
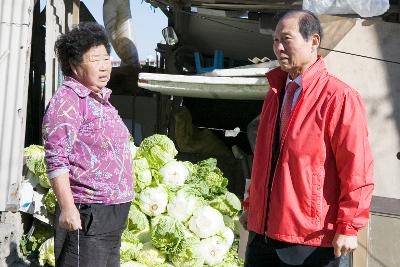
(46, 253)
(167, 234)
(233, 223)
(165, 264)
(200, 188)
(213, 250)
(183, 205)
(174, 174)
(30, 244)
(143, 236)
(150, 256)
(133, 264)
(34, 156)
(191, 254)
(227, 236)
(133, 148)
(157, 149)
(44, 180)
(142, 174)
(206, 221)
(208, 172)
(50, 202)
(129, 250)
(128, 236)
(137, 220)
(153, 200)
(228, 204)
(232, 257)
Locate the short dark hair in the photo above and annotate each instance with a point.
(71, 46)
(308, 23)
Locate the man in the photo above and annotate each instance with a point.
(312, 182)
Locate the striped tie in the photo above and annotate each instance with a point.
(287, 107)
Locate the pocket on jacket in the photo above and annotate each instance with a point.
(316, 194)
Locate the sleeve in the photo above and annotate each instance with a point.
(354, 162)
(61, 123)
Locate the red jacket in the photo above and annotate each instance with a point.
(323, 180)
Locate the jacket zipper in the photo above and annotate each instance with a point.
(266, 210)
(271, 180)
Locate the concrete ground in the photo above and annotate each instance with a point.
(11, 231)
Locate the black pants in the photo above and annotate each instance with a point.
(99, 239)
(272, 253)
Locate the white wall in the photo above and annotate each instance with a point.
(379, 84)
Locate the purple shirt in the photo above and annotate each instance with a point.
(84, 135)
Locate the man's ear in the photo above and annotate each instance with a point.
(316, 41)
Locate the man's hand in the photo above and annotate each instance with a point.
(70, 219)
(344, 244)
(243, 219)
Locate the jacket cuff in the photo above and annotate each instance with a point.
(346, 229)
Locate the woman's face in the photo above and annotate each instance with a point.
(95, 69)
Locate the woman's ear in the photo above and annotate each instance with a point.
(73, 68)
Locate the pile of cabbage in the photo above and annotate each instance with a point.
(182, 215)
(38, 243)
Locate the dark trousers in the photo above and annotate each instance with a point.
(99, 240)
(272, 253)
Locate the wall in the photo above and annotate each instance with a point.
(15, 44)
(378, 83)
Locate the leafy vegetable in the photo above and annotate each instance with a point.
(133, 264)
(228, 204)
(153, 200)
(191, 254)
(150, 256)
(50, 202)
(137, 220)
(214, 250)
(46, 253)
(206, 221)
(182, 206)
(30, 244)
(142, 174)
(167, 234)
(174, 174)
(133, 148)
(34, 155)
(209, 174)
(157, 149)
(233, 223)
(129, 250)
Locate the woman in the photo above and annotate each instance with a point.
(88, 156)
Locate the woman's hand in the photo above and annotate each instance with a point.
(70, 219)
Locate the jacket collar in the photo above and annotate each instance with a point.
(81, 90)
(277, 77)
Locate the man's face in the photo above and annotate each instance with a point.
(95, 69)
(293, 52)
